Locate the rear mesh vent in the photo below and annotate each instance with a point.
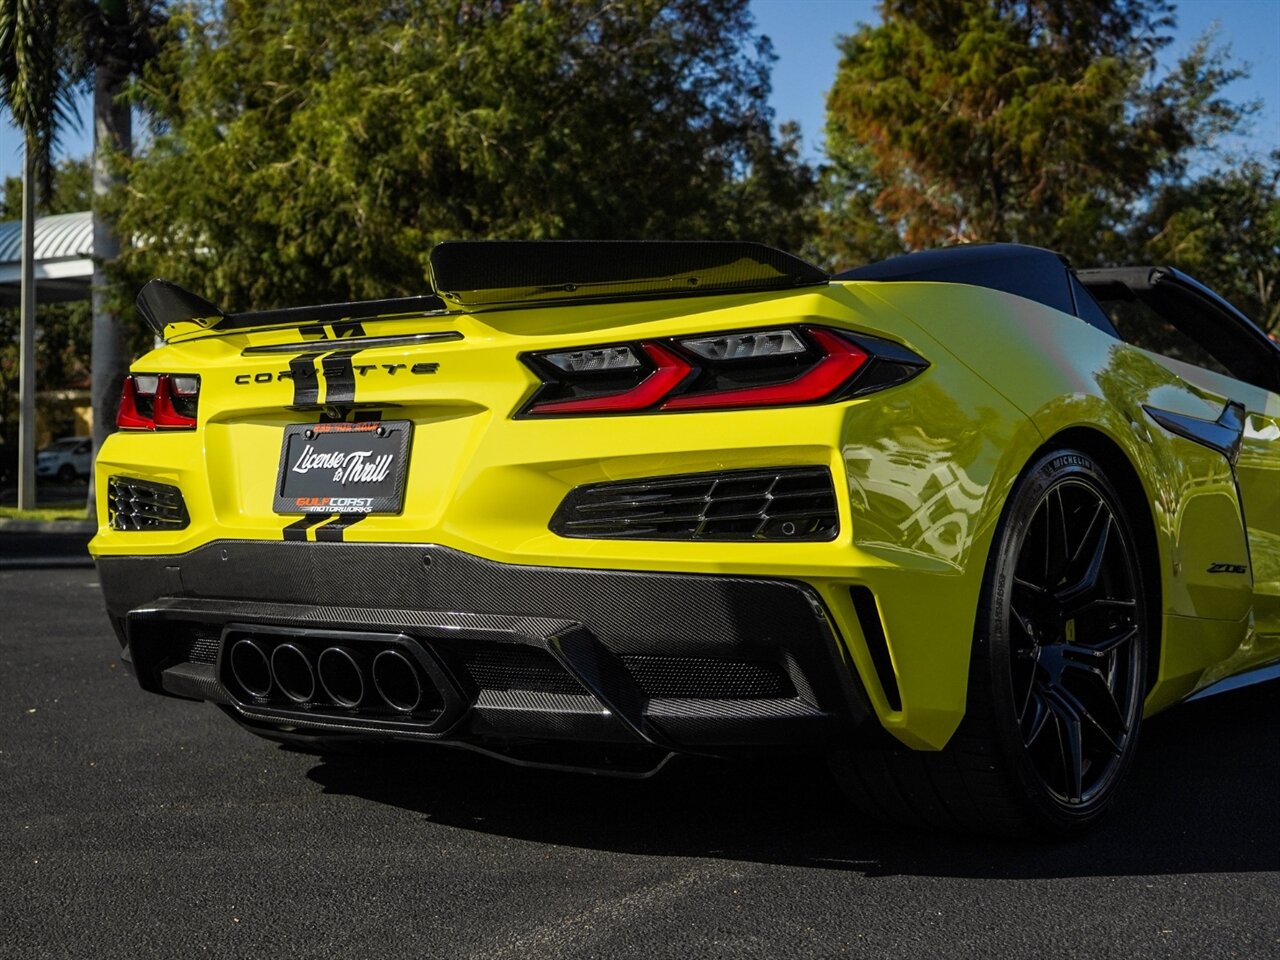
(197, 649)
(498, 666)
(143, 505)
(784, 504)
(705, 678)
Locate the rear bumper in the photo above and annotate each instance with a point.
(519, 654)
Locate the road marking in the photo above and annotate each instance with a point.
(558, 937)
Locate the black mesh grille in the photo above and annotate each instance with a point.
(784, 504)
(197, 649)
(706, 678)
(143, 505)
(496, 666)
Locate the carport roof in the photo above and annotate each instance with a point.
(64, 257)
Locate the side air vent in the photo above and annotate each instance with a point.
(143, 505)
(868, 611)
(781, 504)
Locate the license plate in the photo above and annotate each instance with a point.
(343, 467)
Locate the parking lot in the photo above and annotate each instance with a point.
(141, 826)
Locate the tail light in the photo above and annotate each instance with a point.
(741, 369)
(159, 401)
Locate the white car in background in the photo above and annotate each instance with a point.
(65, 459)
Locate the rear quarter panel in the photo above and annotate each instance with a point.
(1066, 375)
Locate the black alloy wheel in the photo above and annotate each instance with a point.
(1075, 628)
(1057, 675)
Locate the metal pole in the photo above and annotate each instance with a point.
(27, 354)
(109, 359)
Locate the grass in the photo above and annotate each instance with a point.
(70, 510)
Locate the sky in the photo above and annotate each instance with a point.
(804, 36)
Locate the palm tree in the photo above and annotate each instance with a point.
(35, 86)
(112, 42)
(48, 48)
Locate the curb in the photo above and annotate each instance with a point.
(47, 563)
(45, 543)
(47, 526)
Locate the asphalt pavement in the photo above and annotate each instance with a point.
(137, 826)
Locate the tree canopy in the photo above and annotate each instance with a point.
(1035, 121)
(309, 151)
(1223, 228)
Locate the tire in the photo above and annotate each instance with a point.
(1057, 675)
(66, 473)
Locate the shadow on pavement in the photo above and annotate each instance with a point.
(1201, 799)
(44, 549)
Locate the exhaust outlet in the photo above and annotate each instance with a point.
(292, 673)
(341, 676)
(396, 680)
(250, 667)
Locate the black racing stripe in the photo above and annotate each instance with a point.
(339, 377)
(298, 529)
(335, 529)
(348, 328)
(306, 383)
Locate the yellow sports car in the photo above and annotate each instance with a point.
(957, 520)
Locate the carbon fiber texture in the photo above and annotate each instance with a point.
(755, 652)
(629, 612)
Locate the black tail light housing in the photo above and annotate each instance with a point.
(779, 366)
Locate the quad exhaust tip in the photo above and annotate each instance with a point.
(251, 668)
(341, 676)
(292, 673)
(396, 680)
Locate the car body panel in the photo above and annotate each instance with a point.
(927, 466)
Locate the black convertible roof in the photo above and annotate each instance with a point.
(1031, 272)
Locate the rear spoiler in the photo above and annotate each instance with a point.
(163, 304)
(470, 274)
(519, 273)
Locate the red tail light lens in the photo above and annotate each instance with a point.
(164, 401)
(841, 361)
(129, 416)
(668, 371)
(740, 369)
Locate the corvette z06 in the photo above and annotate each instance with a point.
(957, 520)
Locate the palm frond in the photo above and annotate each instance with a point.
(35, 81)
